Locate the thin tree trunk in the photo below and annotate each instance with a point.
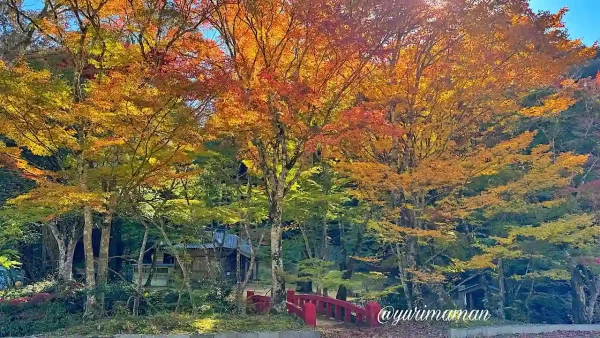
(579, 298)
(325, 241)
(309, 251)
(348, 265)
(250, 271)
(411, 263)
(403, 279)
(324, 245)
(594, 293)
(152, 267)
(186, 277)
(305, 286)
(240, 302)
(528, 299)
(91, 305)
(90, 273)
(502, 294)
(278, 286)
(44, 254)
(104, 248)
(140, 268)
(69, 260)
(102, 276)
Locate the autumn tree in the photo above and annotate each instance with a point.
(450, 91)
(127, 110)
(294, 66)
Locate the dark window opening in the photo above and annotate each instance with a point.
(168, 259)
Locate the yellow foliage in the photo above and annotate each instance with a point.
(552, 105)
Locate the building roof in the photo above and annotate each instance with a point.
(475, 287)
(220, 239)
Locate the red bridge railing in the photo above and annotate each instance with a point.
(308, 312)
(260, 303)
(308, 306)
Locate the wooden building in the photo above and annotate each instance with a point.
(209, 260)
(475, 296)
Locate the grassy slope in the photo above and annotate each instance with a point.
(182, 323)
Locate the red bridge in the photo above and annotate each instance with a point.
(307, 307)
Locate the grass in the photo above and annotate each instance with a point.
(174, 323)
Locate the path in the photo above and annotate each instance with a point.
(402, 330)
(326, 322)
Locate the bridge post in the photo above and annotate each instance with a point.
(309, 312)
(372, 313)
(249, 300)
(290, 296)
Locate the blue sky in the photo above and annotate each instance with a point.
(582, 20)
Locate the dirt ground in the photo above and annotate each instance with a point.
(408, 330)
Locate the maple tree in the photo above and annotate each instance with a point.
(126, 114)
(451, 92)
(545, 214)
(294, 67)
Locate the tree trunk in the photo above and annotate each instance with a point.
(342, 291)
(90, 273)
(140, 268)
(240, 302)
(348, 265)
(104, 248)
(102, 277)
(594, 292)
(241, 287)
(502, 294)
(186, 276)
(305, 286)
(50, 245)
(69, 260)
(528, 299)
(91, 305)
(325, 241)
(579, 309)
(152, 267)
(403, 277)
(278, 286)
(66, 249)
(117, 247)
(62, 272)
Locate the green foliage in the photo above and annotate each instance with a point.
(209, 297)
(174, 323)
(321, 274)
(6, 261)
(28, 319)
(158, 307)
(54, 319)
(45, 286)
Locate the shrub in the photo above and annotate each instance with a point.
(209, 297)
(31, 318)
(172, 323)
(45, 286)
